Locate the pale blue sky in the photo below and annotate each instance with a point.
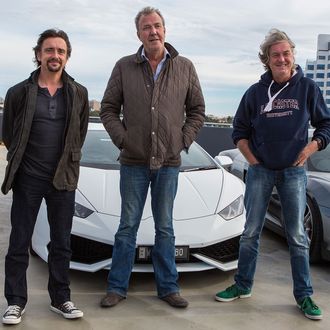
(221, 37)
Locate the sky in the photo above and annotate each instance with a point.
(221, 38)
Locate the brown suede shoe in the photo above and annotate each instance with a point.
(175, 300)
(111, 299)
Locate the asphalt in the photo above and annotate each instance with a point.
(271, 306)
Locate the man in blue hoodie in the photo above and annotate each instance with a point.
(271, 131)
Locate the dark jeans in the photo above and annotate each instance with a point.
(28, 193)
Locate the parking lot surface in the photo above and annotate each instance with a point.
(271, 306)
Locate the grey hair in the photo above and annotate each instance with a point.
(274, 36)
(147, 11)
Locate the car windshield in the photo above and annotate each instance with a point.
(99, 152)
(320, 161)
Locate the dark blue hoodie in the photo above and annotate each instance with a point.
(279, 131)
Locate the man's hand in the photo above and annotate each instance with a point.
(243, 146)
(309, 149)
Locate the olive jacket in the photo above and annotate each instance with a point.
(19, 108)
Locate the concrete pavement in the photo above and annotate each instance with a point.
(271, 306)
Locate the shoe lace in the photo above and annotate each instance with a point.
(68, 305)
(13, 310)
(308, 302)
(232, 288)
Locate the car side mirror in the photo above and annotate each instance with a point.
(224, 161)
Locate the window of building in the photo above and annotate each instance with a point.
(327, 101)
(328, 75)
(310, 75)
(321, 57)
(320, 67)
(321, 75)
(328, 83)
(327, 92)
(310, 67)
(320, 83)
(328, 57)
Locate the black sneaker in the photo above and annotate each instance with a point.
(68, 310)
(13, 314)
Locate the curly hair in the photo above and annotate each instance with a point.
(274, 36)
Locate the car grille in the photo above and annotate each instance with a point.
(224, 251)
(88, 251)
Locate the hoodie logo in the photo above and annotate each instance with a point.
(280, 104)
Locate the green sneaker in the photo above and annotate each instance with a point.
(232, 293)
(310, 309)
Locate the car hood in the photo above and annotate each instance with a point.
(321, 175)
(198, 192)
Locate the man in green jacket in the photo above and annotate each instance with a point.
(44, 126)
(159, 95)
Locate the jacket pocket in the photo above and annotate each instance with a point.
(136, 143)
(176, 144)
(76, 155)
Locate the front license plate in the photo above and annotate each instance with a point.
(181, 253)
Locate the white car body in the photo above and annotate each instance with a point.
(201, 196)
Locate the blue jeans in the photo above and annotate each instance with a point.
(291, 187)
(134, 184)
(28, 193)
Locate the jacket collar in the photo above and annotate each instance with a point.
(172, 51)
(35, 74)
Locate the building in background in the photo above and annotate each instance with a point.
(94, 105)
(319, 69)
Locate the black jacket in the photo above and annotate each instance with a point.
(19, 108)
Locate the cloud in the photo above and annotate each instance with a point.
(221, 37)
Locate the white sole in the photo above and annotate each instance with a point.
(67, 316)
(311, 317)
(231, 299)
(13, 321)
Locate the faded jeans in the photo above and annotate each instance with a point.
(291, 187)
(134, 184)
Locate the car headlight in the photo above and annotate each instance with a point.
(234, 209)
(81, 211)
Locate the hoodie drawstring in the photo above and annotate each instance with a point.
(269, 105)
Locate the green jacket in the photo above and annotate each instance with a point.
(160, 118)
(19, 108)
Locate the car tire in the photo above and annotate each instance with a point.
(314, 230)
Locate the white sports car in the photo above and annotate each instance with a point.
(208, 212)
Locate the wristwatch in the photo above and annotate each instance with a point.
(319, 143)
